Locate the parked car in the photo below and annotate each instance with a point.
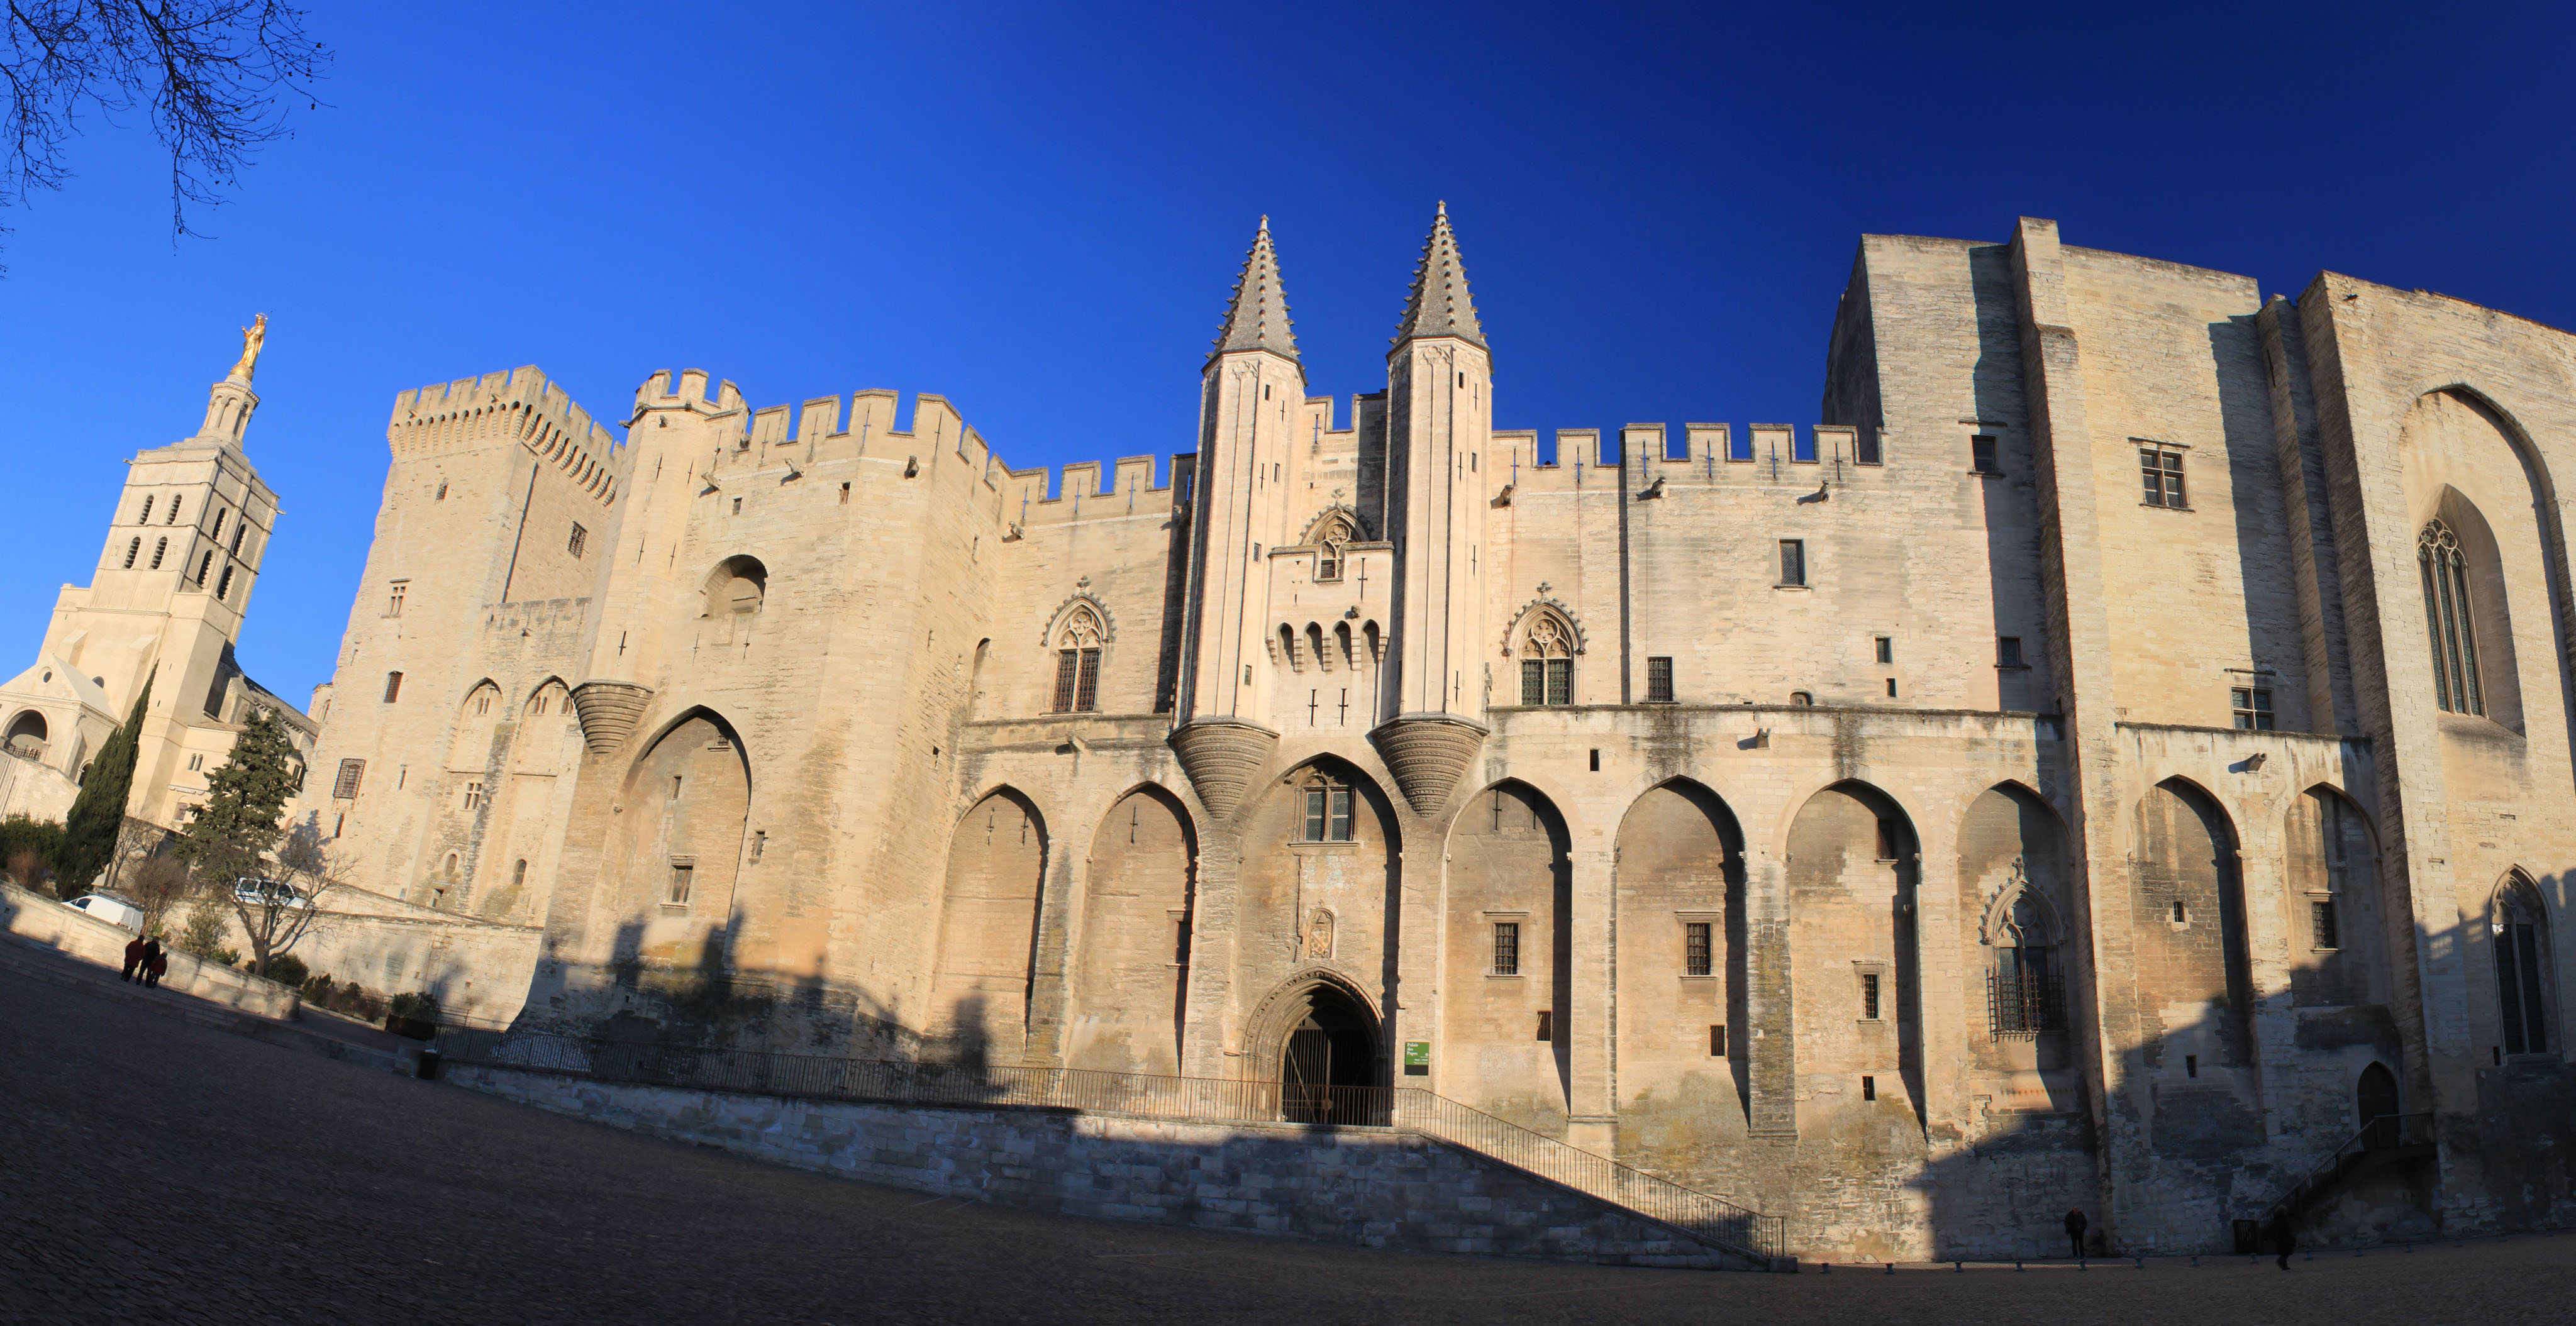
(251, 891)
(111, 909)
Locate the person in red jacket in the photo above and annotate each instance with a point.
(133, 957)
(156, 966)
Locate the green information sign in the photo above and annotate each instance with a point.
(1417, 1054)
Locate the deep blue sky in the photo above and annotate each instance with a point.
(1038, 213)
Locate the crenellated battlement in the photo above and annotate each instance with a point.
(1084, 491)
(1696, 455)
(518, 406)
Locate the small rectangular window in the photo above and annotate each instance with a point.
(2162, 472)
(1981, 455)
(1339, 830)
(1068, 667)
(394, 598)
(2008, 651)
(682, 876)
(1659, 681)
(1507, 948)
(1869, 996)
(393, 687)
(2321, 924)
(580, 538)
(1869, 1088)
(2191, 1065)
(1717, 1040)
(1793, 561)
(1315, 800)
(1695, 948)
(473, 795)
(1886, 646)
(2253, 707)
(1546, 1025)
(737, 506)
(845, 494)
(345, 787)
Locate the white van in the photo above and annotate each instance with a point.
(111, 909)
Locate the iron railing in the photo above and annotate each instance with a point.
(2020, 1005)
(1195, 1099)
(2387, 1132)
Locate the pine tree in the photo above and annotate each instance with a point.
(98, 813)
(235, 828)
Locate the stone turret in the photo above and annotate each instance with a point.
(1251, 388)
(1439, 427)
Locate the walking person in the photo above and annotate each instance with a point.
(156, 964)
(133, 958)
(2075, 1225)
(2283, 1239)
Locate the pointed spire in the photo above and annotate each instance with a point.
(1258, 319)
(1440, 304)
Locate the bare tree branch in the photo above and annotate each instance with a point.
(208, 74)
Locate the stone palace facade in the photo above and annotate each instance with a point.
(2123, 749)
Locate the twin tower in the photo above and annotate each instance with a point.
(1385, 523)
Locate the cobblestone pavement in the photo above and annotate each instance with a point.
(157, 1170)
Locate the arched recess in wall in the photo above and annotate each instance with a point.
(675, 844)
(478, 716)
(546, 722)
(2469, 465)
(2019, 949)
(2519, 952)
(1131, 975)
(2194, 968)
(1852, 870)
(1685, 1027)
(988, 924)
(2336, 927)
(1321, 852)
(27, 734)
(733, 593)
(2468, 612)
(1507, 1034)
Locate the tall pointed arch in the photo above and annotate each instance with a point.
(986, 965)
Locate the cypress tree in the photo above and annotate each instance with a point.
(233, 831)
(98, 813)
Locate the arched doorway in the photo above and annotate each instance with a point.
(1328, 1064)
(2375, 1103)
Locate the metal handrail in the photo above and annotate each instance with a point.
(1198, 1099)
(2382, 1132)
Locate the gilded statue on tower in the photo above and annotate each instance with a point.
(252, 336)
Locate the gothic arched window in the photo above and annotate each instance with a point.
(2447, 618)
(1077, 663)
(1328, 562)
(1547, 662)
(2025, 993)
(2522, 968)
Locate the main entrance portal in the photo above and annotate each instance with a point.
(1329, 1069)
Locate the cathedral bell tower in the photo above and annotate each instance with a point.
(1250, 395)
(1439, 429)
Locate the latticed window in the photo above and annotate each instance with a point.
(1659, 681)
(2025, 994)
(2322, 931)
(1328, 813)
(1695, 948)
(2522, 984)
(2253, 706)
(2162, 472)
(1077, 663)
(345, 786)
(2448, 620)
(1547, 662)
(1507, 948)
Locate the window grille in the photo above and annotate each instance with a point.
(2448, 620)
(2520, 996)
(1717, 1040)
(2008, 651)
(176, 502)
(224, 584)
(1507, 948)
(2321, 924)
(2253, 705)
(1659, 681)
(1981, 455)
(146, 517)
(1546, 1025)
(345, 786)
(1695, 948)
(1560, 681)
(2162, 472)
(1869, 995)
(205, 565)
(580, 538)
(681, 879)
(1086, 682)
(1533, 681)
(132, 551)
(393, 686)
(158, 550)
(1793, 561)
(2023, 1000)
